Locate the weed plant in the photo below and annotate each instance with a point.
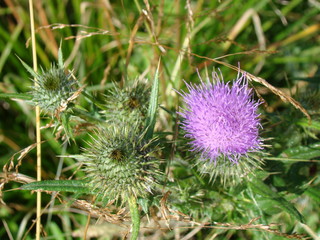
(161, 119)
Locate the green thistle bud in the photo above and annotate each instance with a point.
(119, 164)
(54, 88)
(129, 105)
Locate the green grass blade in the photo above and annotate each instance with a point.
(23, 96)
(8, 48)
(153, 106)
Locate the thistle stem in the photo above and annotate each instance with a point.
(135, 217)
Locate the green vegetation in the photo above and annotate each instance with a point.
(123, 63)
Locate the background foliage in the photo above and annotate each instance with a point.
(115, 41)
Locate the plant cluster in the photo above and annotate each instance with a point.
(220, 124)
(175, 152)
(122, 160)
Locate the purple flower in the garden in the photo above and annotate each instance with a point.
(221, 120)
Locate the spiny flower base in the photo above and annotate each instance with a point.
(228, 172)
(119, 165)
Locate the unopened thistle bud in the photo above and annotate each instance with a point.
(119, 164)
(54, 88)
(129, 105)
(223, 124)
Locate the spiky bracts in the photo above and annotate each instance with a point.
(223, 124)
(54, 88)
(119, 164)
(129, 105)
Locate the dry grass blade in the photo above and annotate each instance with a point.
(83, 33)
(102, 213)
(262, 227)
(132, 36)
(10, 165)
(178, 216)
(284, 97)
(64, 105)
(16, 177)
(7, 177)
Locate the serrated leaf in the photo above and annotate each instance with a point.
(305, 123)
(303, 152)
(145, 204)
(313, 193)
(23, 96)
(66, 125)
(75, 186)
(89, 117)
(259, 187)
(153, 106)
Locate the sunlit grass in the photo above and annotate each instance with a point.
(114, 43)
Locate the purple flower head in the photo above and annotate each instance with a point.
(221, 119)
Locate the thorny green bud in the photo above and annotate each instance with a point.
(119, 164)
(54, 88)
(129, 105)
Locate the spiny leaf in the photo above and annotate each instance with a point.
(65, 117)
(305, 123)
(153, 106)
(29, 69)
(303, 152)
(87, 116)
(263, 189)
(60, 58)
(76, 186)
(313, 193)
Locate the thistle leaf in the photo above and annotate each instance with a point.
(76, 186)
(60, 58)
(153, 106)
(65, 117)
(303, 152)
(263, 189)
(29, 69)
(313, 193)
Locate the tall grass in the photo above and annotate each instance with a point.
(109, 44)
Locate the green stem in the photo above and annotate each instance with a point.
(135, 217)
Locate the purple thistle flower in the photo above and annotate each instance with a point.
(222, 122)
